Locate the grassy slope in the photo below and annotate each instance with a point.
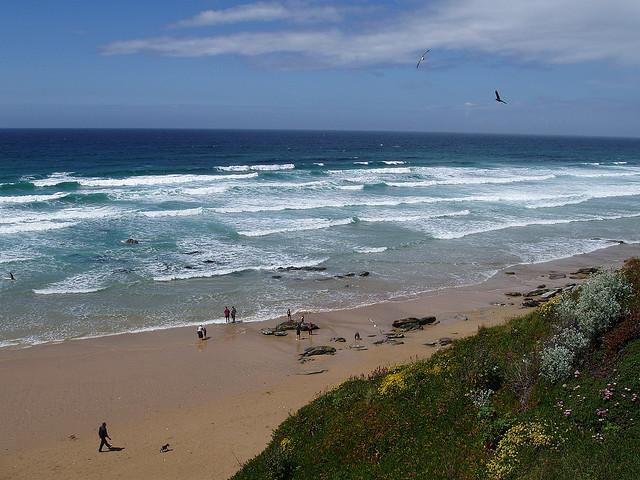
(426, 425)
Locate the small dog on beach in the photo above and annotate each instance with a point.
(164, 448)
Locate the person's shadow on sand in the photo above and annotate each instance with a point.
(114, 449)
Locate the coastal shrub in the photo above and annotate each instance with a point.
(522, 376)
(519, 438)
(279, 465)
(481, 398)
(629, 328)
(598, 306)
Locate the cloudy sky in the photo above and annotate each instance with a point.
(564, 66)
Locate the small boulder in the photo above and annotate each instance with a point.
(267, 331)
(363, 274)
(280, 333)
(276, 276)
(312, 372)
(393, 335)
(586, 270)
(537, 293)
(444, 341)
(131, 241)
(338, 339)
(413, 323)
(509, 273)
(319, 350)
(556, 275)
(530, 302)
(541, 286)
(551, 294)
(513, 294)
(288, 325)
(431, 343)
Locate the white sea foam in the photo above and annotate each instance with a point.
(143, 180)
(310, 205)
(298, 226)
(63, 290)
(394, 162)
(259, 168)
(392, 217)
(371, 249)
(351, 187)
(54, 179)
(173, 213)
(32, 198)
(216, 272)
(13, 258)
(361, 163)
(320, 164)
(67, 214)
(444, 234)
(211, 190)
(34, 227)
(471, 181)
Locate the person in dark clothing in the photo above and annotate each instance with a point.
(233, 314)
(103, 434)
(298, 326)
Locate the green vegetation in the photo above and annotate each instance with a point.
(484, 408)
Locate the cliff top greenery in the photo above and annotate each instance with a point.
(549, 395)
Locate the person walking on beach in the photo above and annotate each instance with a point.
(298, 326)
(103, 434)
(200, 332)
(289, 314)
(227, 312)
(356, 337)
(233, 314)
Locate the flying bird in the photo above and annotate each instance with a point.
(498, 99)
(422, 57)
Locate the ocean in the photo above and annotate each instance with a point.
(270, 220)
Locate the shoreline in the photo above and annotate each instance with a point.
(318, 311)
(219, 400)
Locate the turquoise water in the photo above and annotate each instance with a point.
(216, 213)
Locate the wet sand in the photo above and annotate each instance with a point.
(217, 402)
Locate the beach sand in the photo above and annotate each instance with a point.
(217, 402)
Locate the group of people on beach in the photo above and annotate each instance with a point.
(299, 324)
(230, 313)
(229, 317)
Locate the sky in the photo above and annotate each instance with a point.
(567, 67)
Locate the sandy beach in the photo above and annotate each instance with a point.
(217, 402)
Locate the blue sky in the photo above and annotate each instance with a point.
(564, 66)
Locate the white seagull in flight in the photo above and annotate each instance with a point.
(422, 57)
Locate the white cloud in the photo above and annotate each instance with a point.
(546, 31)
(262, 12)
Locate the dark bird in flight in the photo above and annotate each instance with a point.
(498, 99)
(422, 57)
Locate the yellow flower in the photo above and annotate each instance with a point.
(392, 383)
(506, 457)
(546, 309)
(285, 444)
